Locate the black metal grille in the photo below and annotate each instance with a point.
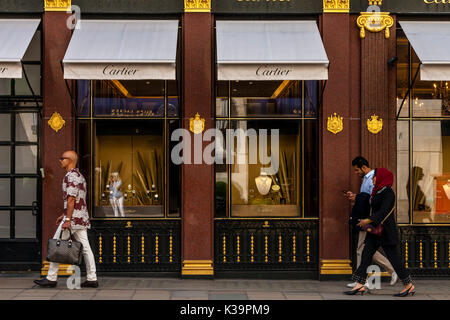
(271, 245)
(426, 250)
(136, 246)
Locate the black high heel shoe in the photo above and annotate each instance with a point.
(406, 292)
(361, 290)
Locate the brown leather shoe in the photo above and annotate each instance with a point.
(45, 283)
(89, 284)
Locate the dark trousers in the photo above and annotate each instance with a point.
(373, 243)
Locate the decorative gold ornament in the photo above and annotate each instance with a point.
(197, 5)
(375, 2)
(375, 22)
(341, 266)
(128, 225)
(56, 122)
(197, 124)
(57, 5)
(375, 124)
(334, 6)
(335, 124)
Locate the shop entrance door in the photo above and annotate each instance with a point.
(20, 190)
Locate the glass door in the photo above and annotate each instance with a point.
(20, 191)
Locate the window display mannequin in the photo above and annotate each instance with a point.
(263, 182)
(115, 195)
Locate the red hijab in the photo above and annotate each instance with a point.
(385, 178)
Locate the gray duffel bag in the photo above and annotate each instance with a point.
(64, 251)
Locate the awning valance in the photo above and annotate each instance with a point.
(122, 50)
(431, 42)
(15, 37)
(270, 50)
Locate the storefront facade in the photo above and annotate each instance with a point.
(325, 79)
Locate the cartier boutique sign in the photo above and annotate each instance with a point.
(10, 70)
(119, 71)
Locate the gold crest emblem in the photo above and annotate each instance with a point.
(197, 124)
(375, 124)
(56, 122)
(335, 124)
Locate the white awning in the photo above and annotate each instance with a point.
(431, 42)
(270, 50)
(122, 50)
(15, 37)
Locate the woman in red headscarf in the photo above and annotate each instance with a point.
(382, 203)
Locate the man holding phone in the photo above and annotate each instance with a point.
(361, 210)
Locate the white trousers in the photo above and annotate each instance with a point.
(81, 236)
(378, 257)
(117, 205)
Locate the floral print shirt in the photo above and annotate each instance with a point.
(74, 185)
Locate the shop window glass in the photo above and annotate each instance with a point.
(25, 224)
(34, 76)
(26, 127)
(5, 159)
(26, 159)
(129, 170)
(83, 98)
(5, 87)
(173, 102)
(5, 127)
(221, 191)
(402, 172)
(4, 224)
(429, 98)
(129, 98)
(262, 189)
(5, 192)
(265, 98)
(25, 191)
(430, 173)
(403, 73)
(222, 98)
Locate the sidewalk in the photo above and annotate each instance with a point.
(21, 287)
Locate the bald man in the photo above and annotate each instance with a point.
(75, 218)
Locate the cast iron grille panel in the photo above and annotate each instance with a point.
(265, 245)
(136, 246)
(426, 250)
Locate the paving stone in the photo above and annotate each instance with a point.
(7, 294)
(81, 294)
(265, 295)
(151, 295)
(303, 296)
(189, 295)
(228, 296)
(114, 294)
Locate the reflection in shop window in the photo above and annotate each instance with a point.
(430, 173)
(129, 180)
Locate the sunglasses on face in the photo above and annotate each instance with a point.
(63, 158)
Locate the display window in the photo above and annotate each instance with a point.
(124, 136)
(270, 170)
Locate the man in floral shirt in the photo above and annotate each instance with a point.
(76, 218)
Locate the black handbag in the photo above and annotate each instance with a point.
(64, 251)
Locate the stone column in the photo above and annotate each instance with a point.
(197, 179)
(57, 104)
(338, 141)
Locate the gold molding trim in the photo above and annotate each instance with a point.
(335, 124)
(197, 268)
(375, 2)
(57, 5)
(375, 22)
(56, 122)
(336, 6)
(197, 5)
(335, 267)
(62, 271)
(197, 124)
(374, 124)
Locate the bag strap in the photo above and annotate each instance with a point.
(392, 210)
